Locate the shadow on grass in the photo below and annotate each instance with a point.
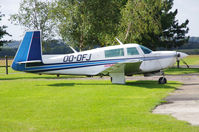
(141, 84)
(151, 84)
(40, 77)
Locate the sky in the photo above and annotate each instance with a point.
(187, 9)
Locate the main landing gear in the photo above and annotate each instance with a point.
(162, 80)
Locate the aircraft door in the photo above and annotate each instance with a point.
(132, 68)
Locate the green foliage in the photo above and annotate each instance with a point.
(140, 24)
(173, 33)
(3, 32)
(88, 23)
(8, 52)
(35, 15)
(153, 24)
(56, 47)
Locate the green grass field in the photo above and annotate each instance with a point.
(191, 60)
(36, 103)
(181, 71)
(3, 62)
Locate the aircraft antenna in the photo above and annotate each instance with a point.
(73, 49)
(119, 41)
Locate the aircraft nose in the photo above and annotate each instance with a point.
(181, 55)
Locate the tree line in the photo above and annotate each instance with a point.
(85, 24)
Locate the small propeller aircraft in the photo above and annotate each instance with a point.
(116, 61)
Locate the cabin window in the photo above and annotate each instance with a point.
(114, 52)
(132, 51)
(145, 50)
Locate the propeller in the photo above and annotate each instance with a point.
(180, 56)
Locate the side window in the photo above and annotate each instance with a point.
(114, 52)
(145, 50)
(132, 51)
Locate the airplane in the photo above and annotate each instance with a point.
(115, 61)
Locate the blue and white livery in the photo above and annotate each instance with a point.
(116, 61)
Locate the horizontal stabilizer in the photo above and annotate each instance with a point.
(26, 62)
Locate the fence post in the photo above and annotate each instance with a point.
(6, 64)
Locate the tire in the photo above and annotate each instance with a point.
(162, 80)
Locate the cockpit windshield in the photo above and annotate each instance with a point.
(145, 49)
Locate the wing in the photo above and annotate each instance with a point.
(128, 67)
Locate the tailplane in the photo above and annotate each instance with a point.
(29, 51)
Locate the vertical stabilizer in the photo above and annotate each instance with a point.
(29, 51)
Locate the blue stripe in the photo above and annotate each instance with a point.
(60, 66)
(73, 65)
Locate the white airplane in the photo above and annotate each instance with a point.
(116, 61)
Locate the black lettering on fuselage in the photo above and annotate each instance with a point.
(71, 58)
(84, 56)
(65, 59)
(89, 58)
(78, 58)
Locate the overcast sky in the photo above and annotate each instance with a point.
(187, 9)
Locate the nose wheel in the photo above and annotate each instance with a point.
(162, 80)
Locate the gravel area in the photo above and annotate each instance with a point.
(184, 102)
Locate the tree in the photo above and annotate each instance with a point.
(173, 34)
(3, 32)
(85, 24)
(35, 15)
(152, 23)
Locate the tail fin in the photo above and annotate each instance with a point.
(29, 51)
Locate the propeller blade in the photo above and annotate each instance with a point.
(185, 63)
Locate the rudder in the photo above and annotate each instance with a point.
(29, 51)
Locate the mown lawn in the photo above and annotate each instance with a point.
(181, 71)
(39, 103)
(191, 60)
(3, 62)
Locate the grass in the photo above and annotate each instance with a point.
(181, 71)
(191, 60)
(10, 70)
(3, 62)
(34, 103)
(12, 75)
